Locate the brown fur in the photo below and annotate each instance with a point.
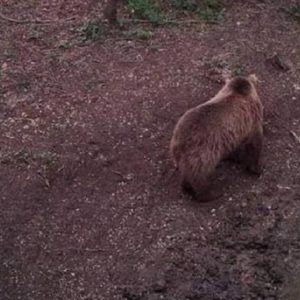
(212, 131)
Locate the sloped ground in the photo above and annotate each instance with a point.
(90, 204)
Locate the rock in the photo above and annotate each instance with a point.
(279, 63)
(159, 286)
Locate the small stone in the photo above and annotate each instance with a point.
(297, 87)
(129, 176)
(159, 286)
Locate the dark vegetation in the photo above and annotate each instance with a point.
(160, 12)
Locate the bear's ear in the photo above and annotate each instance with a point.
(253, 78)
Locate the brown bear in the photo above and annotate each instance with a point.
(212, 131)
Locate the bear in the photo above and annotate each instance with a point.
(226, 125)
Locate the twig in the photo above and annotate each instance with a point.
(117, 173)
(60, 169)
(38, 21)
(12, 20)
(93, 250)
(43, 176)
(79, 249)
(296, 137)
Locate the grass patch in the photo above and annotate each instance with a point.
(26, 156)
(93, 30)
(64, 45)
(219, 62)
(146, 10)
(139, 33)
(293, 11)
(239, 70)
(22, 156)
(159, 12)
(210, 11)
(10, 53)
(189, 5)
(45, 162)
(53, 58)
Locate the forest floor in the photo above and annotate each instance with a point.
(90, 204)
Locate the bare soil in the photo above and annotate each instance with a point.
(90, 204)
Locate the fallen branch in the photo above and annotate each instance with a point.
(38, 21)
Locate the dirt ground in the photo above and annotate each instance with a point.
(91, 206)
